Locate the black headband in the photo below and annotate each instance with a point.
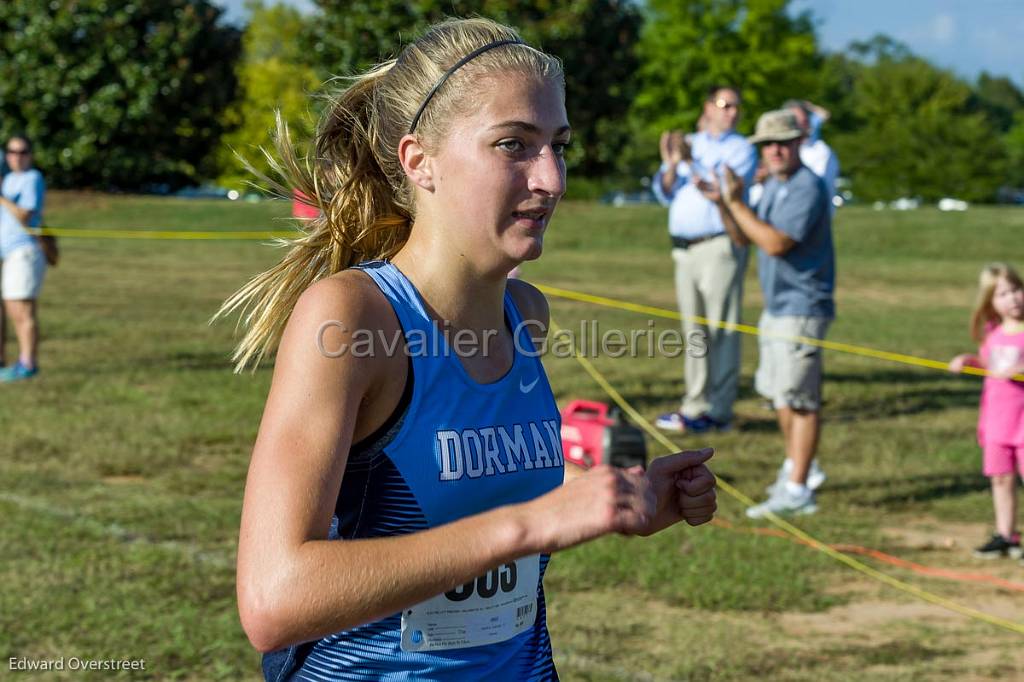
(455, 67)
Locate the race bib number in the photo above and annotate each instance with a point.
(492, 608)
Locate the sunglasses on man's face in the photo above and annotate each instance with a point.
(726, 104)
(19, 152)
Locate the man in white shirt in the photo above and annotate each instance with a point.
(709, 265)
(814, 153)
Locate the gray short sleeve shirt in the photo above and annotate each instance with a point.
(800, 281)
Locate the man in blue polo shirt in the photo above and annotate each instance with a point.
(796, 267)
(709, 264)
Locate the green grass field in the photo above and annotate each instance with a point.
(122, 464)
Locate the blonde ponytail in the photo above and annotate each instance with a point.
(355, 178)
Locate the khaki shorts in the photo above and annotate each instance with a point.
(22, 275)
(790, 371)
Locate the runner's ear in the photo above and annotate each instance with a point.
(415, 162)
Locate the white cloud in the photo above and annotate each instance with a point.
(937, 31)
(942, 29)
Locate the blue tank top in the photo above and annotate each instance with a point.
(458, 448)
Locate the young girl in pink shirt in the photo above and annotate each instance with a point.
(998, 324)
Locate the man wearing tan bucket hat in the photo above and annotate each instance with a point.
(796, 267)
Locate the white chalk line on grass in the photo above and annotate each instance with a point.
(118, 532)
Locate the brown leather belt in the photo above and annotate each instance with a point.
(684, 243)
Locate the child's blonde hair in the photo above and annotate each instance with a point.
(355, 177)
(984, 315)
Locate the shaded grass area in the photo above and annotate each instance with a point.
(122, 466)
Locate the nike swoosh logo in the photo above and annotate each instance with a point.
(526, 388)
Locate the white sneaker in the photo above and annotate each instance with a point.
(784, 503)
(815, 475)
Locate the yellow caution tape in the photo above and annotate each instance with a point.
(550, 290)
(785, 525)
(165, 234)
(754, 331)
(621, 402)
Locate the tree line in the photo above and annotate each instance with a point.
(137, 94)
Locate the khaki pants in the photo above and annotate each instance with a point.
(709, 284)
(789, 372)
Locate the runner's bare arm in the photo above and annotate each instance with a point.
(293, 584)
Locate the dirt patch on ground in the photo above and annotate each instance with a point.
(863, 618)
(918, 534)
(878, 634)
(882, 619)
(950, 546)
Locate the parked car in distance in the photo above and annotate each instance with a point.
(622, 198)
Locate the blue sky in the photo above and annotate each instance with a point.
(967, 36)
